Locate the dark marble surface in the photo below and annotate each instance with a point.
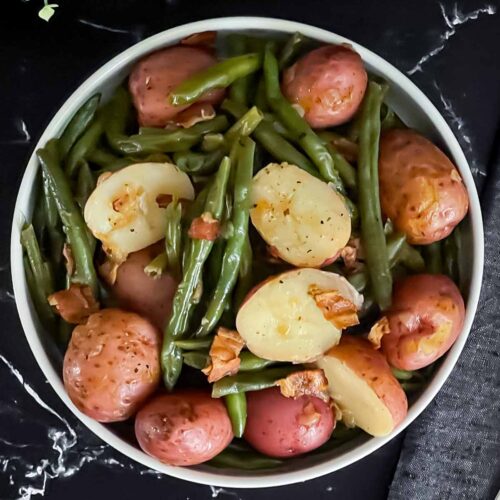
(449, 49)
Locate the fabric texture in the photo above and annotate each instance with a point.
(452, 451)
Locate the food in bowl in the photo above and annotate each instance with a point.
(216, 246)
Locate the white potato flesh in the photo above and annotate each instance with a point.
(281, 321)
(358, 402)
(124, 211)
(302, 218)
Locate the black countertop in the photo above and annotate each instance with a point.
(449, 49)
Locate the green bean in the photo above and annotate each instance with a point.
(278, 126)
(372, 231)
(182, 304)
(271, 141)
(346, 171)
(433, 258)
(219, 76)
(193, 162)
(81, 149)
(157, 266)
(50, 207)
(402, 374)
(290, 118)
(358, 280)
(245, 279)
(245, 125)
(250, 362)
(214, 265)
(235, 244)
(78, 124)
(156, 130)
(115, 117)
(411, 258)
(64, 332)
(250, 381)
(239, 89)
(195, 359)
(85, 184)
(236, 405)
(450, 258)
(170, 142)
(245, 460)
(195, 344)
(290, 50)
(71, 217)
(412, 386)
(173, 236)
(102, 157)
(212, 142)
(391, 119)
(461, 270)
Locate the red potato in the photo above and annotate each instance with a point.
(421, 191)
(328, 83)
(284, 427)
(138, 292)
(112, 365)
(183, 428)
(425, 318)
(156, 75)
(362, 385)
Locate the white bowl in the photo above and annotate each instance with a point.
(414, 108)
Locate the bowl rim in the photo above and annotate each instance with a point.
(76, 99)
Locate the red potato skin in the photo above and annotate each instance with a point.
(112, 365)
(360, 356)
(136, 291)
(425, 318)
(273, 423)
(156, 75)
(420, 189)
(328, 83)
(183, 428)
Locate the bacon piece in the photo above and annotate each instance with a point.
(378, 330)
(351, 254)
(199, 112)
(224, 354)
(341, 312)
(204, 228)
(305, 383)
(75, 304)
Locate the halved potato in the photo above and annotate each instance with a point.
(362, 385)
(126, 211)
(304, 221)
(282, 319)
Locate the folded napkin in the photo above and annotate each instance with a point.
(452, 451)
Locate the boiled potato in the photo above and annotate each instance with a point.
(328, 83)
(426, 316)
(421, 191)
(124, 210)
(138, 292)
(304, 221)
(282, 320)
(285, 427)
(362, 385)
(183, 428)
(157, 74)
(112, 364)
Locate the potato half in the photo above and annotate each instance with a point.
(362, 385)
(304, 221)
(126, 211)
(280, 320)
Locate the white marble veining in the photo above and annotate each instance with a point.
(136, 33)
(453, 19)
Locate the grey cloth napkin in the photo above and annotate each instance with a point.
(452, 451)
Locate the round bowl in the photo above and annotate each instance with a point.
(414, 108)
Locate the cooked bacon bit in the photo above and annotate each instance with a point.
(205, 38)
(199, 112)
(103, 177)
(163, 200)
(378, 330)
(204, 228)
(351, 255)
(70, 262)
(309, 415)
(455, 176)
(305, 383)
(336, 308)
(75, 304)
(224, 354)
(108, 271)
